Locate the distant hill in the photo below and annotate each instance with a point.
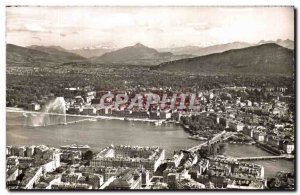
(263, 59)
(284, 43)
(91, 52)
(201, 51)
(58, 52)
(192, 50)
(16, 55)
(137, 55)
(38, 55)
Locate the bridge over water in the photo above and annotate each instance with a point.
(219, 137)
(265, 157)
(225, 135)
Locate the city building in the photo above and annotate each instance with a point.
(128, 180)
(130, 156)
(32, 175)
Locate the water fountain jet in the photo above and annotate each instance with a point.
(53, 113)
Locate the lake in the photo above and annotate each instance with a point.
(101, 133)
(98, 134)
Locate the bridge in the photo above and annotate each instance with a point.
(198, 147)
(265, 158)
(219, 137)
(225, 135)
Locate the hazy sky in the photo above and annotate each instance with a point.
(158, 27)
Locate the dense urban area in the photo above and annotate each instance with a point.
(239, 109)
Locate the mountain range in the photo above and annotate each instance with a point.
(38, 55)
(267, 58)
(132, 55)
(137, 54)
(91, 52)
(58, 52)
(201, 51)
(262, 58)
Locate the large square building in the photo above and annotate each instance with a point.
(149, 158)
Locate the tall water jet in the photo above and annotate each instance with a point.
(53, 113)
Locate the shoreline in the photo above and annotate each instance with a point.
(12, 109)
(163, 121)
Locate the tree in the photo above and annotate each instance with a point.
(88, 155)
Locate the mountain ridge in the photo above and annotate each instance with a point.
(58, 51)
(266, 58)
(28, 56)
(269, 55)
(219, 48)
(137, 54)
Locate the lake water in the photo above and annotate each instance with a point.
(98, 134)
(102, 133)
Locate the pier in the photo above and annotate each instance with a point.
(77, 121)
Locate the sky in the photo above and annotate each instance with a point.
(157, 27)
